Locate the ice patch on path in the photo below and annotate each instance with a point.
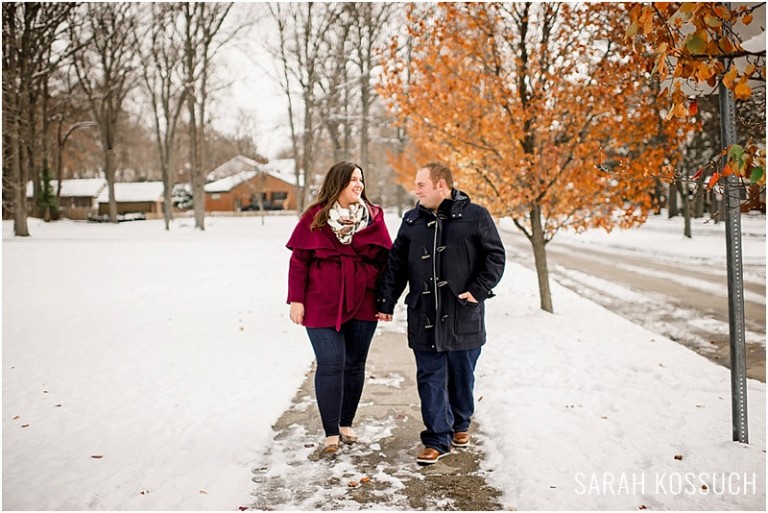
(392, 379)
(292, 476)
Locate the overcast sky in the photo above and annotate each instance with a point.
(249, 69)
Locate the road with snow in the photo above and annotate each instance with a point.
(686, 301)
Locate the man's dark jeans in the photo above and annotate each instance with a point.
(340, 373)
(446, 380)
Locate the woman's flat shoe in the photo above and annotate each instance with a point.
(348, 439)
(329, 450)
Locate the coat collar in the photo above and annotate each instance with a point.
(450, 208)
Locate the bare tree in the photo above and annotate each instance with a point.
(69, 110)
(30, 30)
(370, 22)
(202, 22)
(166, 90)
(107, 71)
(304, 34)
(334, 94)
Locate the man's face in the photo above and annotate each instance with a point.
(430, 195)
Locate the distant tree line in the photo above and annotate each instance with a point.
(123, 91)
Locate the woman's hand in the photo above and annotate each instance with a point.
(297, 312)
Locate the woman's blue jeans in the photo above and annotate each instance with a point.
(340, 373)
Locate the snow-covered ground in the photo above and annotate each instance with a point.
(142, 370)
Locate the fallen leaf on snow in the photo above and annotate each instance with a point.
(678, 457)
(203, 492)
(243, 508)
(97, 456)
(352, 484)
(25, 425)
(16, 417)
(365, 479)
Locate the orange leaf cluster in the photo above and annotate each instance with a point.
(541, 110)
(694, 43)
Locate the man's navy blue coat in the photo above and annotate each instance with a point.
(440, 255)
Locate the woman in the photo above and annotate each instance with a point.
(340, 247)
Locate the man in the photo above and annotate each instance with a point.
(450, 254)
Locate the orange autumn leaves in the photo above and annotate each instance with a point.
(542, 109)
(697, 44)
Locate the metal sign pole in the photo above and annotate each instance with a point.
(735, 275)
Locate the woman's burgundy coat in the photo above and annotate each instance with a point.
(337, 282)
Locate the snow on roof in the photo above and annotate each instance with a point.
(85, 187)
(282, 169)
(134, 191)
(236, 166)
(232, 167)
(228, 183)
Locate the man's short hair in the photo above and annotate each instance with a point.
(439, 171)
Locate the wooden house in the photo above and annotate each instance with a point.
(79, 197)
(135, 197)
(240, 182)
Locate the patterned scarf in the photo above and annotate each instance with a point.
(345, 222)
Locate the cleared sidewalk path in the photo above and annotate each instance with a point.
(380, 471)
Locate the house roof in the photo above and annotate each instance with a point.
(228, 183)
(233, 166)
(129, 192)
(282, 169)
(84, 187)
(240, 169)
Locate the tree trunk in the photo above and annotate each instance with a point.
(167, 193)
(672, 208)
(108, 142)
(20, 228)
(698, 203)
(197, 188)
(306, 150)
(540, 257)
(200, 207)
(59, 160)
(686, 199)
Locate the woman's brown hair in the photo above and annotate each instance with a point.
(336, 179)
